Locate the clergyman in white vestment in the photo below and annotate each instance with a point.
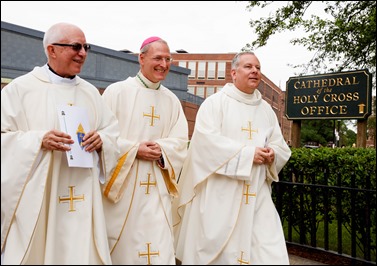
(153, 143)
(225, 212)
(52, 213)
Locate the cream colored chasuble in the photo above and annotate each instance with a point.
(53, 213)
(226, 215)
(140, 220)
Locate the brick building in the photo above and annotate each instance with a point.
(210, 72)
(192, 77)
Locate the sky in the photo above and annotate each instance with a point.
(194, 26)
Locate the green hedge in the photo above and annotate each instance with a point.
(327, 189)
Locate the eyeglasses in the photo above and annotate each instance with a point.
(160, 59)
(75, 46)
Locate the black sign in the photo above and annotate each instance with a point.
(342, 95)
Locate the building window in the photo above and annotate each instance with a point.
(191, 89)
(211, 70)
(275, 97)
(200, 91)
(210, 91)
(192, 67)
(221, 70)
(201, 70)
(182, 64)
(267, 92)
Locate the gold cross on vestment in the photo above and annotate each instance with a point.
(71, 198)
(247, 194)
(152, 116)
(248, 129)
(149, 254)
(148, 183)
(241, 261)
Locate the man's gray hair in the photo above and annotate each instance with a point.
(56, 33)
(236, 58)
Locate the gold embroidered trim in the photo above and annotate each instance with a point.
(170, 182)
(115, 174)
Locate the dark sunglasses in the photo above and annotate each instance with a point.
(75, 46)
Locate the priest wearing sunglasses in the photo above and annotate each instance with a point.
(51, 211)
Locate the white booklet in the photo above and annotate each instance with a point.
(75, 122)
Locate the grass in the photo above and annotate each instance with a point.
(346, 245)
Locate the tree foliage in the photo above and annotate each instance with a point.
(317, 131)
(322, 131)
(344, 39)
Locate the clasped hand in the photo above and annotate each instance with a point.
(264, 155)
(149, 150)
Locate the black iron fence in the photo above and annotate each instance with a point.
(325, 210)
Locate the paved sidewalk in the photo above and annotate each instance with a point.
(293, 260)
(296, 260)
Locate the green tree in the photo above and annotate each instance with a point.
(348, 137)
(317, 131)
(322, 132)
(344, 39)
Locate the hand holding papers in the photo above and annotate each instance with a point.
(75, 122)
